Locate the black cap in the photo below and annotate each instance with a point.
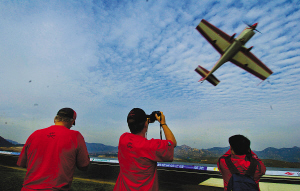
(240, 144)
(67, 112)
(136, 116)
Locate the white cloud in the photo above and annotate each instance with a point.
(105, 58)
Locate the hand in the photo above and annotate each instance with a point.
(161, 119)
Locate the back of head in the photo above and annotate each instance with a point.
(240, 144)
(66, 115)
(136, 120)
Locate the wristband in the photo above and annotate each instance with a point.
(163, 124)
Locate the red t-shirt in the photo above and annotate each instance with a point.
(138, 159)
(51, 156)
(242, 165)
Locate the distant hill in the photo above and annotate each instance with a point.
(185, 152)
(101, 148)
(219, 151)
(13, 142)
(5, 143)
(283, 154)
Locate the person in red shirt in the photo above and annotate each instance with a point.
(52, 154)
(240, 154)
(138, 156)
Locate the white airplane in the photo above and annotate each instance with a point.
(231, 49)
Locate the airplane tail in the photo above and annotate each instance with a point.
(204, 73)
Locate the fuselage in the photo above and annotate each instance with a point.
(234, 48)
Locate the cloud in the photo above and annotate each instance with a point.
(103, 58)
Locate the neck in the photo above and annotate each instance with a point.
(144, 131)
(142, 134)
(65, 124)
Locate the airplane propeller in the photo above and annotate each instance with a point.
(253, 26)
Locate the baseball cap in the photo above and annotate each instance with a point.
(136, 116)
(67, 112)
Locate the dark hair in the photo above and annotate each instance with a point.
(240, 144)
(136, 127)
(136, 120)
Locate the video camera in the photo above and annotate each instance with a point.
(152, 117)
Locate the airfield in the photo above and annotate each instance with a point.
(102, 175)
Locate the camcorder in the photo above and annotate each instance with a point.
(152, 117)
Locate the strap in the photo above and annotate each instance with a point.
(230, 165)
(161, 130)
(252, 168)
(233, 170)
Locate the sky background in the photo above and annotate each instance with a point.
(103, 58)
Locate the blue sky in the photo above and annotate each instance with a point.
(103, 58)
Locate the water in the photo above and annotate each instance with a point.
(182, 164)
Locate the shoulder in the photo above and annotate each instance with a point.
(39, 131)
(158, 141)
(222, 162)
(227, 154)
(126, 135)
(159, 144)
(76, 134)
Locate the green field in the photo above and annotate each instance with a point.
(11, 179)
(12, 176)
(97, 178)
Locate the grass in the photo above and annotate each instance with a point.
(81, 185)
(11, 178)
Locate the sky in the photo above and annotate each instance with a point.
(103, 58)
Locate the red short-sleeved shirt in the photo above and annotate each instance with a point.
(242, 165)
(138, 159)
(51, 156)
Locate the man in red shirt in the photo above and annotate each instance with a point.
(138, 156)
(52, 154)
(240, 154)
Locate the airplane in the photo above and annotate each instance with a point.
(231, 49)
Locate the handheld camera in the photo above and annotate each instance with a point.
(152, 117)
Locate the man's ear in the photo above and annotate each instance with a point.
(146, 124)
(232, 151)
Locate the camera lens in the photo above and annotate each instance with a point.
(152, 116)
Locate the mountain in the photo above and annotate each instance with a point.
(185, 152)
(13, 142)
(283, 154)
(219, 151)
(101, 148)
(5, 143)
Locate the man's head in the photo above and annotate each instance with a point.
(66, 115)
(136, 120)
(239, 144)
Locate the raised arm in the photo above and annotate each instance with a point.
(168, 133)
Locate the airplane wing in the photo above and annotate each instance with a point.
(217, 38)
(246, 60)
